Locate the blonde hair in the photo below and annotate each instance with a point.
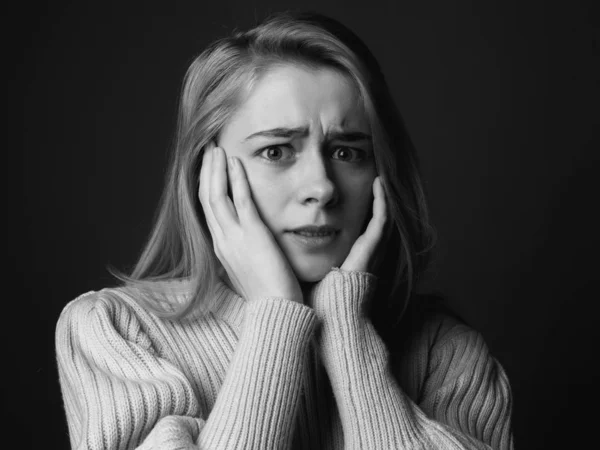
(180, 245)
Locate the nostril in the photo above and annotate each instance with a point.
(326, 198)
(317, 187)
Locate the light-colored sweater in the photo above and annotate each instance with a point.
(272, 373)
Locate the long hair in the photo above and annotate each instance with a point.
(180, 245)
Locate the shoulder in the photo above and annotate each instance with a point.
(90, 302)
(123, 305)
(100, 319)
(454, 349)
(433, 346)
(427, 322)
(97, 317)
(438, 323)
(439, 331)
(453, 377)
(430, 330)
(109, 303)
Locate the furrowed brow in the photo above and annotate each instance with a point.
(280, 133)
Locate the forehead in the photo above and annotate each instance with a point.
(297, 96)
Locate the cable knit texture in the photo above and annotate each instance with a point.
(275, 374)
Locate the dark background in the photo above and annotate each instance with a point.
(501, 99)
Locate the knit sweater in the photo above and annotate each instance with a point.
(271, 373)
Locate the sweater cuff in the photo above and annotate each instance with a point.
(345, 290)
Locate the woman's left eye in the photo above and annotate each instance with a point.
(348, 154)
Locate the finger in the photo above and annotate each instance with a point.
(204, 188)
(366, 245)
(379, 201)
(376, 225)
(204, 176)
(220, 203)
(240, 189)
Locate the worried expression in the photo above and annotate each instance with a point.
(304, 140)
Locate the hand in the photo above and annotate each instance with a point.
(365, 255)
(246, 248)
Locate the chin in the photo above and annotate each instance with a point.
(312, 277)
(313, 270)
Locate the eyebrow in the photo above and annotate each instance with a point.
(346, 136)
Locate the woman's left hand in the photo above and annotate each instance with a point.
(362, 256)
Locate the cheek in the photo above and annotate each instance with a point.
(268, 194)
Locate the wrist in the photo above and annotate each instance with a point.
(346, 289)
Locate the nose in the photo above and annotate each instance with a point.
(317, 186)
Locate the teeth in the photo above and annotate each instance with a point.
(304, 233)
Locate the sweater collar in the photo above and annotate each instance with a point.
(227, 304)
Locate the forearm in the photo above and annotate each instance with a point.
(374, 410)
(375, 413)
(258, 401)
(119, 391)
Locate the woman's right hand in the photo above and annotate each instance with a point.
(245, 246)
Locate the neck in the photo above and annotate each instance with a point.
(305, 286)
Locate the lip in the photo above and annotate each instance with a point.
(314, 237)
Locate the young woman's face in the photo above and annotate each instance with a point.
(303, 138)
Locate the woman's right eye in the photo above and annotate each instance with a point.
(276, 153)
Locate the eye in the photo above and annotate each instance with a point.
(348, 154)
(276, 153)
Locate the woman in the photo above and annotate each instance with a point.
(274, 303)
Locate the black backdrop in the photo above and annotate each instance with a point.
(501, 99)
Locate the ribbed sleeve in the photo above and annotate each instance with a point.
(257, 375)
(120, 391)
(468, 398)
(115, 389)
(258, 402)
(467, 389)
